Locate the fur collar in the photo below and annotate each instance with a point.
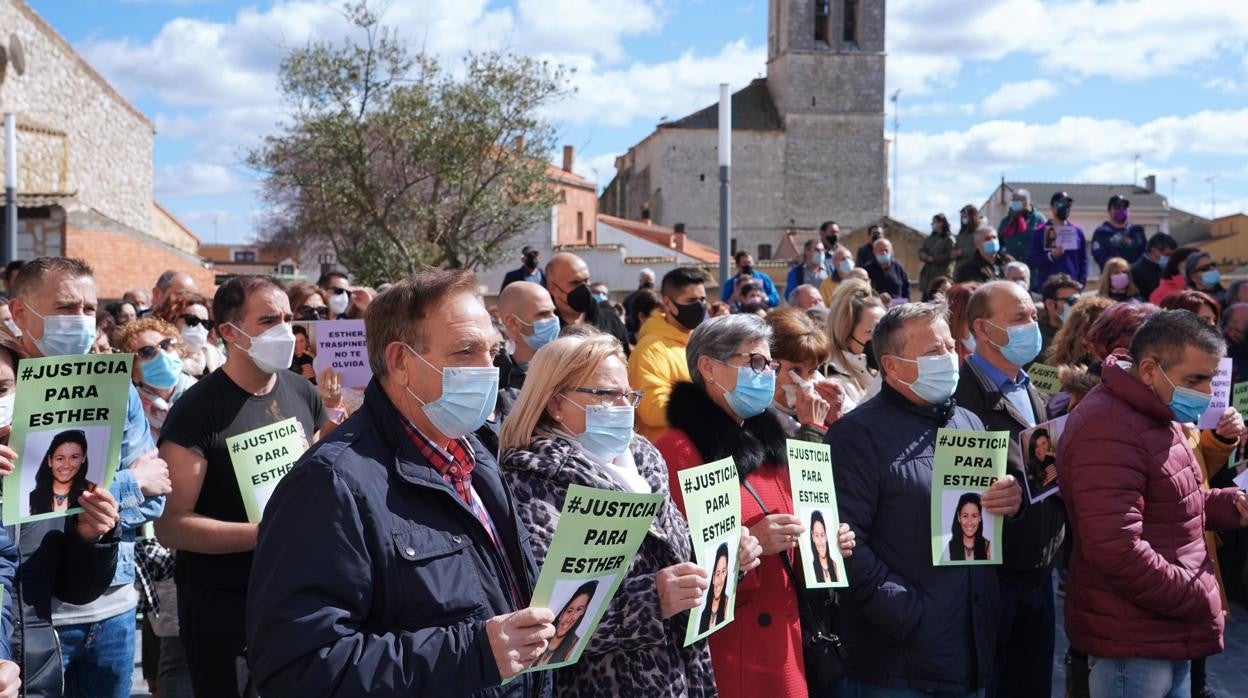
(716, 435)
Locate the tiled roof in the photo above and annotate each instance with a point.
(664, 236)
(564, 177)
(752, 110)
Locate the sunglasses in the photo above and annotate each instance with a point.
(148, 352)
(195, 321)
(312, 312)
(337, 291)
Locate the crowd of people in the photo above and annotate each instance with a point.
(399, 555)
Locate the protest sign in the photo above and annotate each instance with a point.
(68, 420)
(1039, 447)
(1221, 396)
(1067, 237)
(966, 464)
(338, 345)
(1242, 480)
(1239, 397)
(1045, 378)
(595, 541)
(814, 498)
(261, 458)
(899, 300)
(712, 496)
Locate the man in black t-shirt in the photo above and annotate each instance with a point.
(205, 519)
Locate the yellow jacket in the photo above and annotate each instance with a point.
(1212, 454)
(655, 366)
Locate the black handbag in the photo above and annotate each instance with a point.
(822, 649)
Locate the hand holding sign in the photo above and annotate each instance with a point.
(680, 588)
(847, 539)
(10, 679)
(1004, 497)
(7, 458)
(749, 552)
(518, 639)
(1230, 424)
(777, 532)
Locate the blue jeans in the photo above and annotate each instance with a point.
(858, 689)
(98, 658)
(1139, 678)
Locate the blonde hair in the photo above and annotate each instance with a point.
(562, 364)
(1116, 265)
(849, 299)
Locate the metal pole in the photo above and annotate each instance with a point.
(896, 100)
(725, 187)
(8, 250)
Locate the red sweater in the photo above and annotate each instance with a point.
(760, 652)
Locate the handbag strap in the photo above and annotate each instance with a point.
(784, 559)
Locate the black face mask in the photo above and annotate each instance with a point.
(646, 284)
(1063, 211)
(870, 352)
(690, 315)
(530, 262)
(748, 269)
(580, 300)
(830, 241)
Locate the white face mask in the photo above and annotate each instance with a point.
(195, 338)
(6, 408)
(858, 362)
(271, 350)
(13, 328)
(339, 302)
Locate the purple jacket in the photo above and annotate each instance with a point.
(1043, 265)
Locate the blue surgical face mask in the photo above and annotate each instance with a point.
(1186, 404)
(162, 371)
(844, 267)
(969, 342)
(1065, 314)
(1163, 260)
(65, 335)
(1023, 344)
(1210, 277)
(608, 431)
(468, 396)
(753, 392)
(817, 257)
(599, 297)
(991, 247)
(883, 259)
(545, 331)
(938, 377)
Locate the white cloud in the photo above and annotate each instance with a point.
(195, 179)
(1017, 96)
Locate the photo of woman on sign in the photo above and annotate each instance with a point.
(967, 541)
(62, 474)
(825, 568)
(1041, 463)
(715, 608)
(560, 648)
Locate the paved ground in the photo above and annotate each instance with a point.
(1228, 672)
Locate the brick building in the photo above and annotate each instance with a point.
(807, 141)
(85, 167)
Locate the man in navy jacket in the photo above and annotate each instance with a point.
(908, 624)
(390, 560)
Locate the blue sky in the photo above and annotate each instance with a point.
(1035, 90)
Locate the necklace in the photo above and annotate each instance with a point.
(60, 498)
(968, 550)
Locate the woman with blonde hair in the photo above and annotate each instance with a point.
(852, 317)
(572, 423)
(1116, 281)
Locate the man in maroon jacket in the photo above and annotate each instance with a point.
(1142, 599)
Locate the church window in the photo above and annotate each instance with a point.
(850, 29)
(823, 17)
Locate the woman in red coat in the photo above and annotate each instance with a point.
(723, 413)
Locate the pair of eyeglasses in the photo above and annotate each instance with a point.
(611, 397)
(312, 312)
(1206, 267)
(195, 321)
(760, 363)
(148, 352)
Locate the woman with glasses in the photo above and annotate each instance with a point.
(188, 312)
(1202, 274)
(158, 368)
(573, 424)
(307, 302)
(723, 412)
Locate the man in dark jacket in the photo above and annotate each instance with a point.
(529, 270)
(1146, 272)
(390, 560)
(907, 623)
(567, 280)
(886, 273)
(1115, 237)
(993, 385)
(989, 262)
(1142, 598)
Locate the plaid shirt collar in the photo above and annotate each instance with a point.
(454, 463)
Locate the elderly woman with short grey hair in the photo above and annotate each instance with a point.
(723, 412)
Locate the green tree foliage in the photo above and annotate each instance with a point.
(400, 164)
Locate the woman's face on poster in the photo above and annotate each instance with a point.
(66, 461)
(1042, 446)
(968, 519)
(572, 614)
(819, 535)
(720, 577)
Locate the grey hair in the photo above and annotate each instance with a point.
(166, 279)
(720, 337)
(983, 230)
(889, 337)
(1021, 266)
(1023, 193)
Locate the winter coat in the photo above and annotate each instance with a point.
(634, 651)
(1167, 287)
(372, 576)
(981, 270)
(656, 364)
(1146, 275)
(905, 622)
(940, 248)
(1141, 581)
(760, 652)
(892, 279)
(1109, 241)
(1016, 231)
(1032, 539)
(1044, 264)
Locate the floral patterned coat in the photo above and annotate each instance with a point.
(634, 651)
